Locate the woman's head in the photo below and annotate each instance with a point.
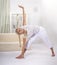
(19, 31)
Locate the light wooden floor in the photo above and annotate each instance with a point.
(38, 55)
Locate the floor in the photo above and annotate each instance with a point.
(38, 55)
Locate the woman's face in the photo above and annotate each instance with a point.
(19, 31)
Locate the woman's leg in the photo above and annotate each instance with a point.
(26, 46)
(43, 35)
(31, 40)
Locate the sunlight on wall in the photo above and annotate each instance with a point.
(49, 17)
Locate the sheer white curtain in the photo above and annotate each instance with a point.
(4, 16)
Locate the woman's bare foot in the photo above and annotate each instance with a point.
(20, 57)
(53, 54)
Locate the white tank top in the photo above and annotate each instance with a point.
(31, 29)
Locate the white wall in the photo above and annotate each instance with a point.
(49, 17)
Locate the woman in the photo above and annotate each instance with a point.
(33, 32)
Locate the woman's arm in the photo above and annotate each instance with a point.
(24, 23)
(24, 14)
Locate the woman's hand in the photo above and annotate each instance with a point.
(21, 6)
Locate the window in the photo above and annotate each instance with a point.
(4, 16)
